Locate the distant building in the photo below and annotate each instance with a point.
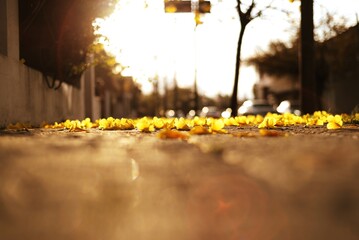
(341, 71)
(337, 74)
(119, 96)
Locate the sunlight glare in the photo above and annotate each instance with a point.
(148, 44)
(136, 35)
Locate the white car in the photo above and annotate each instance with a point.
(287, 106)
(210, 111)
(254, 107)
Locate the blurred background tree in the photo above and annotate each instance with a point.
(281, 58)
(247, 13)
(55, 36)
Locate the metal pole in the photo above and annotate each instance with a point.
(195, 8)
(195, 89)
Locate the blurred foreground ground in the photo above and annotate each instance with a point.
(130, 185)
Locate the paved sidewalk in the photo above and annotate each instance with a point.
(302, 184)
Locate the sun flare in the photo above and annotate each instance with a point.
(150, 45)
(143, 39)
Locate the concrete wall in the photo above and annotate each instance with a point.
(24, 94)
(341, 93)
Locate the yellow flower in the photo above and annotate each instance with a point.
(258, 119)
(241, 120)
(126, 124)
(251, 119)
(217, 126)
(172, 134)
(86, 123)
(199, 130)
(74, 125)
(334, 122)
(320, 122)
(197, 121)
(102, 123)
(181, 124)
(268, 122)
(58, 125)
(202, 125)
(158, 122)
(231, 122)
(209, 121)
(145, 125)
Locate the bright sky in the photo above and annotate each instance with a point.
(154, 43)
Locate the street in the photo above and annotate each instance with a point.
(299, 183)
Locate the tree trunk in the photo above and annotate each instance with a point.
(234, 102)
(309, 99)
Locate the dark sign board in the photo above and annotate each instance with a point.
(204, 7)
(186, 6)
(178, 6)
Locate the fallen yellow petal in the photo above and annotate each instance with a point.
(172, 134)
(333, 125)
(199, 130)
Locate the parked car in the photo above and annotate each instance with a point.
(287, 106)
(173, 113)
(226, 113)
(254, 107)
(210, 111)
(193, 113)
